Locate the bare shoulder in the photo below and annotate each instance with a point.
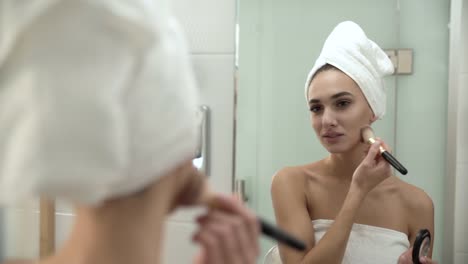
(290, 207)
(415, 199)
(288, 185)
(293, 176)
(295, 182)
(419, 209)
(288, 175)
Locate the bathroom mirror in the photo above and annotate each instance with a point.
(277, 46)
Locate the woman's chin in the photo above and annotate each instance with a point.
(336, 148)
(335, 151)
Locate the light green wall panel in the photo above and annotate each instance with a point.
(422, 101)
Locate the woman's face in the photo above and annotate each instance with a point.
(338, 110)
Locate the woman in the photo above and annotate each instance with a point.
(348, 207)
(98, 108)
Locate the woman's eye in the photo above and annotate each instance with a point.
(315, 109)
(342, 103)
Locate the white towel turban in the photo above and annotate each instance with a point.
(97, 98)
(348, 49)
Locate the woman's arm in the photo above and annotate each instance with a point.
(420, 216)
(290, 206)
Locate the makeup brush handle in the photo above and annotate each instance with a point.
(394, 162)
(281, 236)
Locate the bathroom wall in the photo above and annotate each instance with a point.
(422, 103)
(210, 28)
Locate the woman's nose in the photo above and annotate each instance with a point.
(328, 118)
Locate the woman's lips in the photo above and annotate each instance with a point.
(332, 137)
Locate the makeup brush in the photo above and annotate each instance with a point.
(368, 136)
(267, 229)
(281, 236)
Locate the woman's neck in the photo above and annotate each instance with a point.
(110, 238)
(126, 231)
(124, 240)
(343, 165)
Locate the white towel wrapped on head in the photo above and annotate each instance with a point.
(348, 49)
(96, 101)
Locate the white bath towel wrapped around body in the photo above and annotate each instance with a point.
(366, 244)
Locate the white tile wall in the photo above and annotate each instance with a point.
(178, 247)
(212, 46)
(209, 24)
(215, 75)
(185, 215)
(21, 230)
(63, 226)
(63, 207)
(210, 29)
(29, 205)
